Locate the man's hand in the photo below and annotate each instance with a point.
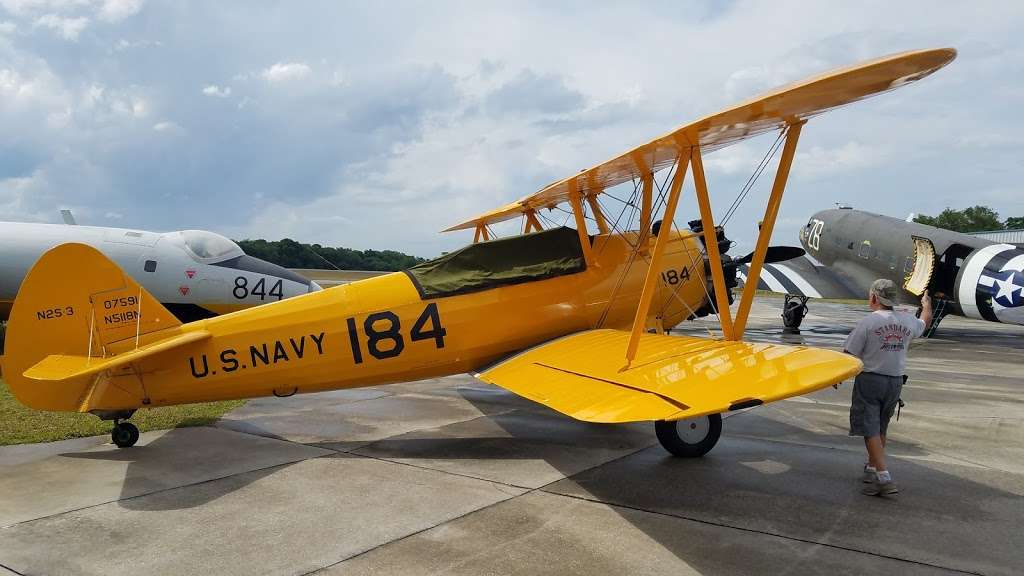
(926, 302)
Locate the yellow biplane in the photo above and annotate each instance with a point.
(572, 320)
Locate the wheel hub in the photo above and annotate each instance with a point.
(693, 430)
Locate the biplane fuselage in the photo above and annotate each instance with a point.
(380, 330)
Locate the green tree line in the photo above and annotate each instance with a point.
(292, 254)
(973, 219)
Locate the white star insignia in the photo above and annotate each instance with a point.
(1007, 288)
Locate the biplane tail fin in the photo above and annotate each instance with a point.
(78, 314)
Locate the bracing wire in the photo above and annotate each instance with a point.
(742, 195)
(321, 256)
(635, 247)
(560, 209)
(546, 219)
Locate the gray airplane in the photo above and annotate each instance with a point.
(194, 273)
(848, 249)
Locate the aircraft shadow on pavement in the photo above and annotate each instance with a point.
(172, 473)
(773, 485)
(771, 479)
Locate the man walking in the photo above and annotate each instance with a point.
(881, 340)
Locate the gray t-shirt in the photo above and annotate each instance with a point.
(881, 340)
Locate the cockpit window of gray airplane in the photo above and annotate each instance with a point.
(208, 246)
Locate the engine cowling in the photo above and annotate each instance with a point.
(990, 284)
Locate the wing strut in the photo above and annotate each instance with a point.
(581, 223)
(707, 220)
(602, 224)
(532, 224)
(650, 282)
(770, 213)
(481, 232)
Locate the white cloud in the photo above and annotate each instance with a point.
(7, 27)
(118, 10)
(29, 7)
(166, 126)
(817, 161)
(68, 28)
(124, 44)
(59, 119)
(106, 10)
(17, 194)
(41, 88)
(285, 72)
(68, 18)
(105, 105)
(217, 91)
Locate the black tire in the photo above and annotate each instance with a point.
(700, 436)
(124, 434)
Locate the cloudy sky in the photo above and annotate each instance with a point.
(374, 125)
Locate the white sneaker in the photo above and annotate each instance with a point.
(870, 475)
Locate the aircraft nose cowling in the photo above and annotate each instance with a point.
(990, 284)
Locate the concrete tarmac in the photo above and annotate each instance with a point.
(454, 476)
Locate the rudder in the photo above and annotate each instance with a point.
(76, 302)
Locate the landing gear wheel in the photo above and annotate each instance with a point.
(691, 437)
(124, 434)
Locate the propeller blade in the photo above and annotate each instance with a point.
(774, 254)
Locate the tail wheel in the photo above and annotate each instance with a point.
(124, 434)
(690, 437)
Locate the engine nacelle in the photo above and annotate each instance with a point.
(990, 284)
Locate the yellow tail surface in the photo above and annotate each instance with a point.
(77, 317)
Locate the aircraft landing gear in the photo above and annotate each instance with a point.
(793, 311)
(690, 437)
(124, 434)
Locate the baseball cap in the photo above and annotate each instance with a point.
(885, 291)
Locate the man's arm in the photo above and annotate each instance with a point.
(926, 310)
(855, 341)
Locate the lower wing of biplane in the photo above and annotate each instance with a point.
(607, 375)
(673, 377)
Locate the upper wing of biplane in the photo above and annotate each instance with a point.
(771, 111)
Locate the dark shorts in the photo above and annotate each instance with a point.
(875, 397)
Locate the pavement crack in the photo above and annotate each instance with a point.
(523, 491)
(414, 533)
(762, 532)
(11, 570)
(162, 490)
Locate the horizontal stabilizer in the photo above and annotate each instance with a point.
(61, 367)
(672, 377)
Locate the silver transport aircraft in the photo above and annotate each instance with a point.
(194, 273)
(848, 249)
